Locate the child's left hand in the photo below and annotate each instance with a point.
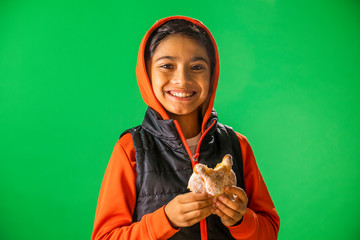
(231, 211)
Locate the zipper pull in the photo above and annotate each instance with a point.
(195, 157)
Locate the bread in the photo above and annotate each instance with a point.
(213, 181)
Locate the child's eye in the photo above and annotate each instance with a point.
(167, 66)
(197, 67)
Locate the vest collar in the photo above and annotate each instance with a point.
(166, 129)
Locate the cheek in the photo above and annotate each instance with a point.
(156, 88)
(159, 80)
(155, 83)
(206, 86)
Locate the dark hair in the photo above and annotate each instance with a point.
(180, 26)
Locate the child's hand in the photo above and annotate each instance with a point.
(187, 209)
(231, 211)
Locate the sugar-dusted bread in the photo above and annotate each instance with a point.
(213, 181)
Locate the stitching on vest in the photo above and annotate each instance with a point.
(141, 150)
(159, 135)
(160, 194)
(162, 171)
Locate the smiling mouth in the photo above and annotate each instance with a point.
(186, 94)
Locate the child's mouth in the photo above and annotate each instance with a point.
(182, 94)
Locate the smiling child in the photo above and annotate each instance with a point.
(144, 192)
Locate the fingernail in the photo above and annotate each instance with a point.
(221, 198)
(214, 200)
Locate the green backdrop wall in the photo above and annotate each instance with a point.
(289, 81)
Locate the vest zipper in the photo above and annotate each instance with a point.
(194, 161)
(196, 155)
(194, 158)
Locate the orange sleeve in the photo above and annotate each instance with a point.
(261, 220)
(117, 198)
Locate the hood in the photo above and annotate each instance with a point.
(143, 80)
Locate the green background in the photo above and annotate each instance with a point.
(289, 81)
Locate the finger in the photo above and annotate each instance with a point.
(197, 215)
(235, 190)
(231, 213)
(222, 215)
(193, 197)
(193, 206)
(196, 220)
(235, 205)
(239, 192)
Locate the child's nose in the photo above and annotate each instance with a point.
(182, 76)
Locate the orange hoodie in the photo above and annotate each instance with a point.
(116, 203)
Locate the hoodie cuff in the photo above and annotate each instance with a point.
(159, 226)
(247, 227)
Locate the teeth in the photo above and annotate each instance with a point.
(181, 94)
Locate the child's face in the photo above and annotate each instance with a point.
(180, 74)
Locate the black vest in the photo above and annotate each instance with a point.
(163, 167)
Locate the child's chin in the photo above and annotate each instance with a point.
(182, 112)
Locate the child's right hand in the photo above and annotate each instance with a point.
(187, 209)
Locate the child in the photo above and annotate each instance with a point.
(144, 192)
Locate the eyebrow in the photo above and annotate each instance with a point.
(194, 59)
(165, 57)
